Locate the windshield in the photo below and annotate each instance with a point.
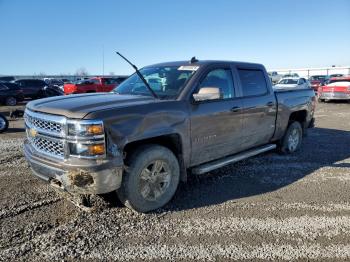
(339, 80)
(165, 81)
(288, 81)
(318, 77)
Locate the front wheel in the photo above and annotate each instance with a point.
(11, 101)
(150, 180)
(292, 139)
(3, 124)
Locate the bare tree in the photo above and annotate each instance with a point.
(81, 72)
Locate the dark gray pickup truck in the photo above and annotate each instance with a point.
(198, 116)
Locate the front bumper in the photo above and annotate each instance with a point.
(334, 96)
(77, 175)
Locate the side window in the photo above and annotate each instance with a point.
(108, 81)
(253, 82)
(222, 79)
(119, 80)
(38, 83)
(3, 87)
(24, 83)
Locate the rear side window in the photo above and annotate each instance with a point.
(11, 85)
(38, 83)
(253, 82)
(3, 87)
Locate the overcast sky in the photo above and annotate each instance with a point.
(61, 36)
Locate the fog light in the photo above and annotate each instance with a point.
(86, 150)
(98, 149)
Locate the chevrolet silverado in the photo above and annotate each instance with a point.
(164, 123)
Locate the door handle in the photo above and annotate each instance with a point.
(235, 109)
(270, 104)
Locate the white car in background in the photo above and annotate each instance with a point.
(275, 77)
(293, 83)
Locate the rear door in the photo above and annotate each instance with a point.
(216, 124)
(27, 88)
(259, 107)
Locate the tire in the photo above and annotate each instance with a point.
(144, 189)
(291, 141)
(11, 101)
(4, 124)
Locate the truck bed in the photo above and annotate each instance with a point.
(293, 100)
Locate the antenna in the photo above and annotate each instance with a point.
(103, 60)
(193, 60)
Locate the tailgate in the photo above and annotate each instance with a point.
(341, 89)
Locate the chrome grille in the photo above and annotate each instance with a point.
(43, 124)
(47, 146)
(46, 133)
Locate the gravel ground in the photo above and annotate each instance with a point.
(270, 207)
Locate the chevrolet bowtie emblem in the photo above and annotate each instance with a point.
(33, 132)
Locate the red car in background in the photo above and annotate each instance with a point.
(337, 88)
(93, 85)
(317, 81)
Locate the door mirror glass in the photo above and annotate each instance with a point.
(207, 93)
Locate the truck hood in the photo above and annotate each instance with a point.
(78, 106)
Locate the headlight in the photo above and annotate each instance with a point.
(86, 138)
(87, 150)
(85, 128)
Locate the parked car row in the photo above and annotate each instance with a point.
(327, 87)
(13, 91)
(320, 80)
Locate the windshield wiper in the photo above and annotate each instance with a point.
(140, 75)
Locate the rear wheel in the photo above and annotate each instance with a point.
(3, 124)
(150, 180)
(292, 139)
(11, 101)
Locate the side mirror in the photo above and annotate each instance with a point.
(207, 93)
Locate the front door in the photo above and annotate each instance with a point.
(216, 123)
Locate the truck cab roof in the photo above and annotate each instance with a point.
(206, 63)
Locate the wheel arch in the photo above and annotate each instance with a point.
(299, 116)
(171, 141)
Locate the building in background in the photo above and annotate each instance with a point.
(310, 71)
